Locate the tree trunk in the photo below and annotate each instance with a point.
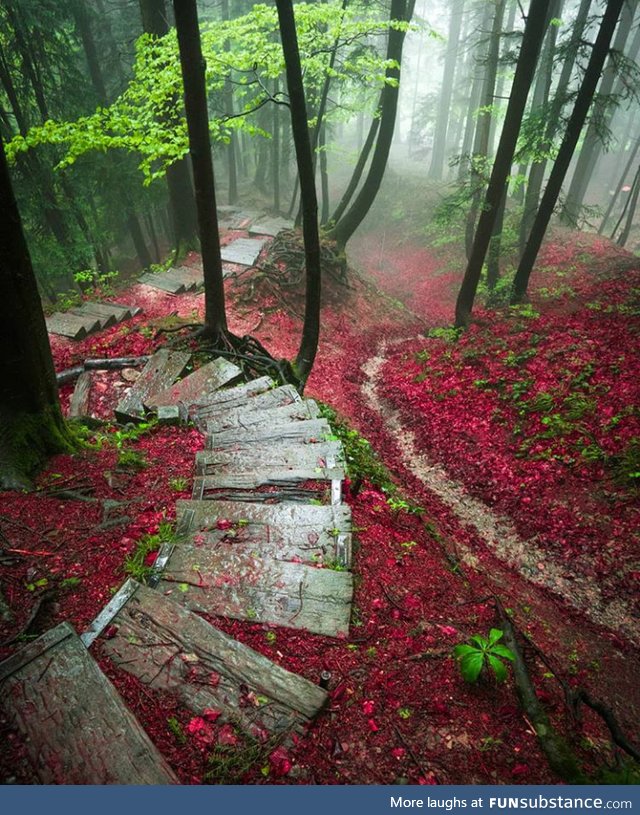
(31, 424)
(300, 128)
(324, 177)
(444, 107)
(401, 10)
(632, 155)
(525, 69)
(275, 151)
(195, 99)
(630, 210)
(233, 138)
(563, 159)
(357, 171)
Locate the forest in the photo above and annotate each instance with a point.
(319, 379)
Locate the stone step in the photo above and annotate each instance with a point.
(196, 386)
(248, 416)
(243, 251)
(307, 431)
(169, 648)
(238, 584)
(71, 325)
(161, 371)
(284, 531)
(314, 457)
(77, 729)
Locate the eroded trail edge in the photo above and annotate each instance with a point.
(497, 532)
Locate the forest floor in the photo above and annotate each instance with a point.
(515, 450)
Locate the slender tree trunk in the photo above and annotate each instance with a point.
(525, 69)
(233, 138)
(195, 100)
(629, 210)
(632, 155)
(401, 10)
(275, 151)
(569, 142)
(300, 128)
(444, 108)
(357, 171)
(324, 178)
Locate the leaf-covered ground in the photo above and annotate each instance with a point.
(530, 412)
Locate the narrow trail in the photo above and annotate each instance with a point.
(497, 532)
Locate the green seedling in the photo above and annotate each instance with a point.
(482, 652)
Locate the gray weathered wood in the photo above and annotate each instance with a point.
(233, 397)
(270, 226)
(77, 728)
(194, 388)
(122, 311)
(169, 281)
(240, 585)
(260, 455)
(160, 371)
(283, 531)
(319, 493)
(79, 404)
(191, 276)
(261, 399)
(106, 615)
(169, 648)
(248, 416)
(106, 317)
(259, 476)
(70, 325)
(244, 251)
(302, 432)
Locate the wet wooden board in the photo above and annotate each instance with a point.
(270, 226)
(243, 251)
(189, 275)
(303, 432)
(249, 416)
(77, 728)
(261, 399)
(318, 492)
(196, 386)
(121, 311)
(72, 326)
(237, 584)
(79, 404)
(169, 648)
(321, 455)
(168, 281)
(255, 477)
(161, 371)
(234, 396)
(104, 315)
(283, 531)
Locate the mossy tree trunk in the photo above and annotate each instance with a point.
(31, 423)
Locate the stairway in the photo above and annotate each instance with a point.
(265, 538)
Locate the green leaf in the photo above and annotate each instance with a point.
(460, 650)
(498, 668)
(471, 665)
(494, 635)
(503, 651)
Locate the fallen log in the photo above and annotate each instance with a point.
(114, 364)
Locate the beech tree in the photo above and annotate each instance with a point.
(31, 423)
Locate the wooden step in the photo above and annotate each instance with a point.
(121, 311)
(270, 226)
(277, 476)
(171, 649)
(106, 317)
(171, 281)
(196, 386)
(72, 326)
(79, 404)
(248, 416)
(258, 455)
(161, 371)
(243, 251)
(77, 729)
(319, 493)
(238, 584)
(303, 432)
(262, 398)
(192, 277)
(233, 397)
(284, 531)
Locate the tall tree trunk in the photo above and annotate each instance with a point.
(324, 177)
(228, 104)
(195, 100)
(401, 10)
(300, 128)
(569, 142)
(629, 210)
(357, 171)
(525, 69)
(31, 424)
(275, 151)
(632, 155)
(446, 92)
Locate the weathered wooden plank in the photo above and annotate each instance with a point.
(260, 456)
(79, 404)
(302, 432)
(169, 648)
(233, 397)
(77, 728)
(244, 586)
(283, 531)
(244, 251)
(102, 313)
(195, 387)
(122, 311)
(248, 416)
(260, 399)
(318, 493)
(70, 325)
(160, 371)
(251, 479)
(270, 226)
(192, 277)
(163, 281)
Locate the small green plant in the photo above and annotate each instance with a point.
(404, 712)
(447, 334)
(176, 729)
(132, 460)
(483, 652)
(271, 637)
(135, 564)
(70, 583)
(179, 484)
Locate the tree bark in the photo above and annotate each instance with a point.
(525, 69)
(569, 142)
(632, 155)
(630, 208)
(195, 100)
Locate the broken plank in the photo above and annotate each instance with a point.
(198, 385)
(260, 400)
(79, 404)
(256, 456)
(234, 396)
(285, 530)
(270, 226)
(171, 649)
(243, 251)
(77, 728)
(161, 371)
(244, 586)
(191, 276)
(70, 325)
(164, 282)
(106, 317)
(303, 432)
(248, 416)
(318, 493)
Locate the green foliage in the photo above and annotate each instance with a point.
(625, 467)
(178, 484)
(483, 652)
(135, 565)
(229, 764)
(132, 460)
(447, 334)
(176, 729)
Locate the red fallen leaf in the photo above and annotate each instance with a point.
(214, 679)
(227, 736)
(150, 559)
(110, 632)
(201, 731)
(224, 523)
(279, 762)
(449, 630)
(398, 752)
(427, 780)
(211, 715)
(368, 707)
(519, 769)
(339, 692)
(377, 603)
(373, 727)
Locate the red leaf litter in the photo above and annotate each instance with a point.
(398, 710)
